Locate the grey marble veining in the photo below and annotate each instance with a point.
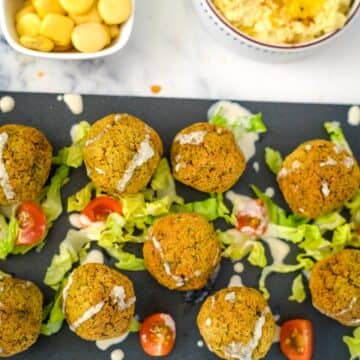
(170, 48)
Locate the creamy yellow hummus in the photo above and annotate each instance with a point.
(285, 21)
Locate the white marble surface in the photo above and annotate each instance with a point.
(170, 48)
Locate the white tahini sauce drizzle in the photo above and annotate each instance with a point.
(235, 281)
(240, 351)
(238, 267)
(106, 344)
(4, 176)
(200, 343)
(7, 104)
(94, 256)
(329, 162)
(169, 322)
(193, 138)
(325, 188)
(119, 295)
(256, 166)
(178, 279)
(74, 102)
(232, 112)
(65, 292)
(354, 116)
(117, 354)
(278, 249)
(87, 315)
(270, 192)
(231, 297)
(145, 153)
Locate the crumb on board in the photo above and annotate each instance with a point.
(155, 89)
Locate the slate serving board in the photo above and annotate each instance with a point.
(289, 125)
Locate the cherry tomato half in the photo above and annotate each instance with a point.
(101, 207)
(252, 218)
(157, 334)
(32, 223)
(296, 339)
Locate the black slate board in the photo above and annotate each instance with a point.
(289, 125)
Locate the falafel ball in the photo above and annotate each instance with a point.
(237, 323)
(318, 177)
(98, 302)
(207, 158)
(26, 157)
(182, 251)
(20, 315)
(335, 287)
(121, 154)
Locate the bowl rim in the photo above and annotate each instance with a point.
(353, 11)
(66, 55)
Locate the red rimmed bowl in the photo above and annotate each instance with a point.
(246, 45)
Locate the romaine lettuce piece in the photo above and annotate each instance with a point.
(236, 245)
(329, 222)
(298, 293)
(337, 136)
(257, 255)
(79, 200)
(353, 343)
(273, 160)
(9, 234)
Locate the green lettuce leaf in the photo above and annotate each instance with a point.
(329, 222)
(353, 343)
(303, 263)
(79, 200)
(68, 254)
(298, 290)
(236, 245)
(276, 214)
(135, 326)
(212, 208)
(9, 234)
(273, 160)
(51, 203)
(257, 255)
(53, 316)
(336, 134)
(125, 260)
(73, 155)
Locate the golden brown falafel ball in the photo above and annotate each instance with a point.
(318, 177)
(182, 251)
(26, 157)
(335, 287)
(20, 315)
(98, 302)
(207, 158)
(236, 323)
(121, 154)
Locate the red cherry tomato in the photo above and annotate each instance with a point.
(296, 339)
(101, 207)
(252, 218)
(157, 334)
(32, 223)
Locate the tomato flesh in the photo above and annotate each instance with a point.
(157, 334)
(252, 219)
(32, 223)
(101, 207)
(296, 339)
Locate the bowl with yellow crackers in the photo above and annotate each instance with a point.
(67, 29)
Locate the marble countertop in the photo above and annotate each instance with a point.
(170, 48)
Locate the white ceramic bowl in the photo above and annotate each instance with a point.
(8, 9)
(243, 44)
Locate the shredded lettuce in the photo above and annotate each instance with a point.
(252, 123)
(212, 208)
(273, 160)
(329, 222)
(135, 326)
(72, 156)
(336, 134)
(353, 343)
(257, 255)
(276, 214)
(62, 263)
(78, 201)
(236, 245)
(298, 293)
(9, 233)
(303, 263)
(53, 316)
